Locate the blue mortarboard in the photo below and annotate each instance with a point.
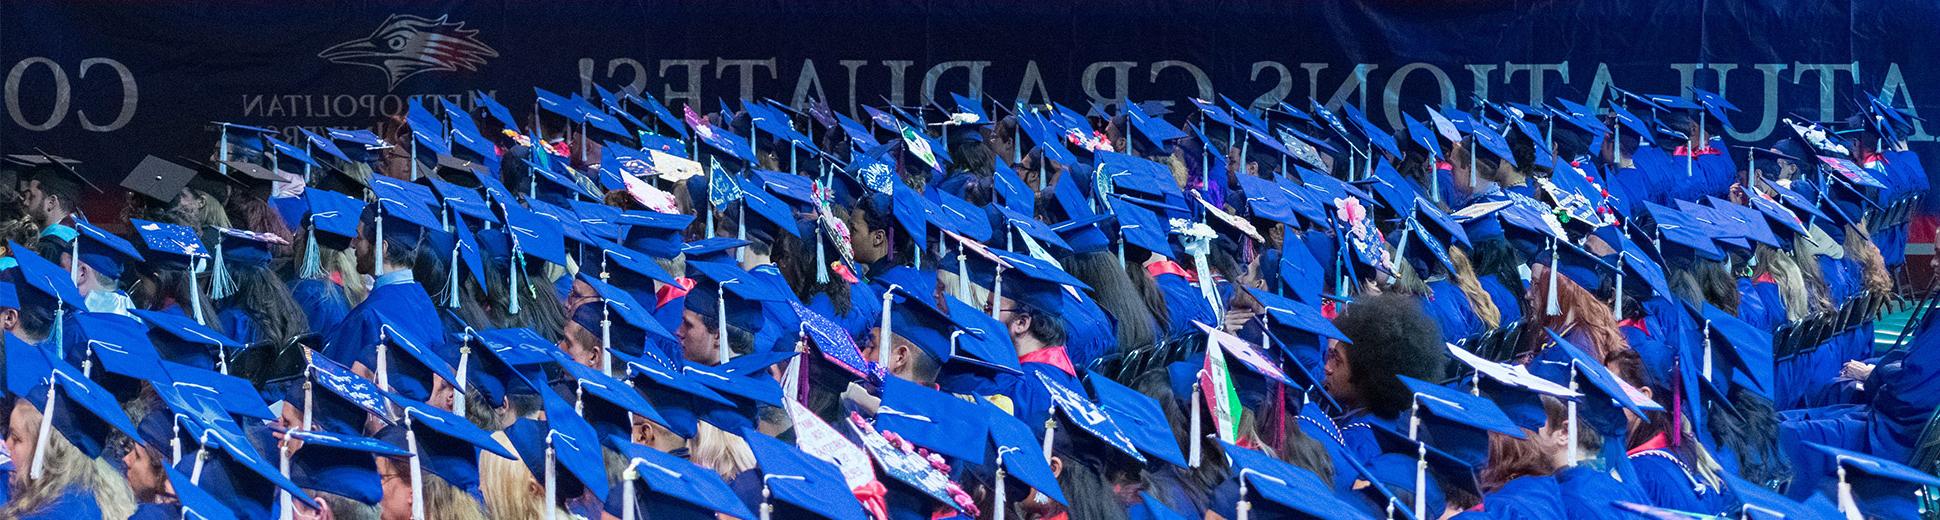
(959, 216)
(448, 445)
(341, 400)
(404, 203)
(834, 342)
(1286, 486)
(1879, 485)
(1454, 455)
(1739, 344)
(120, 345)
(944, 423)
(1029, 225)
(636, 324)
(236, 395)
(322, 144)
(9, 298)
(511, 362)
(1454, 407)
(1243, 115)
(1763, 503)
(1018, 448)
(413, 360)
(1140, 417)
(660, 112)
(1493, 142)
(1086, 416)
(173, 245)
(1213, 113)
(240, 477)
(340, 464)
(535, 235)
(1156, 130)
(1579, 116)
(332, 213)
(917, 320)
(195, 503)
(608, 403)
(1605, 399)
(1677, 227)
(1321, 112)
(656, 234)
(1421, 136)
(1375, 135)
(495, 109)
(744, 394)
(575, 449)
(1303, 317)
(801, 482)
(692, 488)
(104, 251)
(85, 414)
(985, 342)
(1138, 175)
(1750, 222)
(676, 395)
(1390, 474)
(1516, 391)
(1141, 227)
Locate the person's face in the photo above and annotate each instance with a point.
(870, 244)
(144, 474)
(1337, 371)
(581, 344)
(363, 246)
(396, 504)
(443, 395)
(34, 200)
(697, 344)
(19, 444)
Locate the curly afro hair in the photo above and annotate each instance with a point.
(1390, 336)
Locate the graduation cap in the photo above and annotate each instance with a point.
(566, 442)
(932, 419)
(1085, 416)
(1140, 417)
(106, 253)
(1513, 388)
(1016, 449)
(1375, 135)
(678, 397)
(72, 406)
(340, 464)
(636, 327)
(56, 174)
(674, 484)
(239, 476)
(1156, 130)
(181, 339)
(174, 246)
(409, 374)
(745, 396)
(332, 222)
(800, 484)
(158, 179)
(1677, 227)
(1881, 486)
(45, 277)
(195, 503)
(1744, 347)
(608, 403)
(1284, 486)
(238, 248)
(445, 445)
(334, 399)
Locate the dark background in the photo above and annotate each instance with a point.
(199, 61)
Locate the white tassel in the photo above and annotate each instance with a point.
(882, 330)
(821, 258)
(721, 353)
(451, 281)
(417, 468)
(1198, 430)
(997, 498)
(518, 273)
(39, 466)
(312, 263)
(1552, 307)
(1618, 304)
(1050, 432)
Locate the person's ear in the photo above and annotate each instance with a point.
(536, 489)
(879, 237)
(1020, 324)
(1057, 466)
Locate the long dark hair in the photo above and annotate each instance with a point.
(262, 296)
(796, 259)
(1113, 289)
(1196, 483)
(1086, 479)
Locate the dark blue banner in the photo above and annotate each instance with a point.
(108, 83)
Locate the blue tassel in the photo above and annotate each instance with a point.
(312, 264)
(220, 284)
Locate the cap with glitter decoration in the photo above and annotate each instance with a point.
(1083, 415)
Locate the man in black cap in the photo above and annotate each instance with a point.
(50, 191)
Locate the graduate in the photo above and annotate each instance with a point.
(322, 273)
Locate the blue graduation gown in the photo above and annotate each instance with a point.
(406, 303)
(1451, 310)
(1657, 168)
(1668, 483)
(154, 511)
(72, 504)
(1761, 305)
(323, 301)
(1505, 299)
(1526, 498)
(239, 326)
(1585, 488)
(1183, 303)
(1357, 434)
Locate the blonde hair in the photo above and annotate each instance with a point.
(211, 213)
(725, 453)
(442, 501)
(1790, 278)
(67, 468)
(1478, 299)
(1861, 249)
(507, 485)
